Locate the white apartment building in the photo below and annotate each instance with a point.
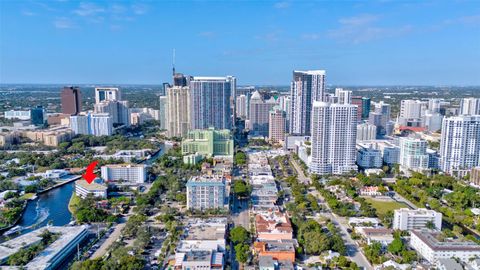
(178, 111)
(101, 124)
(117, 109)
(412, 112)
(470, 106)
(334, 134)
(413, 154)
(97, 124)
(366, 132)
(429, 247)
(241, 106)
(125, 174)
(162, 112)
(83, 189)
(21, 115)
(433, 121)
(406, 219)
(206, 192)
(460, 144)
(343, 96)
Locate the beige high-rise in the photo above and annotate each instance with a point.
(178, 111)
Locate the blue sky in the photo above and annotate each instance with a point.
(260, 42)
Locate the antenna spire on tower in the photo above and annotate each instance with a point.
(173, 63)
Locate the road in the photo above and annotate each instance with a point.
(301, 176)
(399, 198)
(108, 242)
(240, 213)
(353, 250)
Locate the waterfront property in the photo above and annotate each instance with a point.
(54, 254)
(125, 174)
(83, 189)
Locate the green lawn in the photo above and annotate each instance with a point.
(383, 206)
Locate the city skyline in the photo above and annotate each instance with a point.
(358, 43)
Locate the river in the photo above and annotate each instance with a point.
(52, 206)
(49, 207)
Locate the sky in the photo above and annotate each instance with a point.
(259, 42)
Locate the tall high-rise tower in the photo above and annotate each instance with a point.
(71, 100)
(306, 87)
(211, 102)
(334, 133)
(460, 144)
(107, 93)
(259, 114)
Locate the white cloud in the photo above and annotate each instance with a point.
(27, 13)
(270, 37)
(282, 5)
(63, 23)
(139, 9)
(311, 36)
(359, 20)
(88, 9)
(363, 28)
(206, 34)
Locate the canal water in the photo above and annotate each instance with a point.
(50, 207)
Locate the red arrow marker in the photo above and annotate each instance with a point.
(89, 176)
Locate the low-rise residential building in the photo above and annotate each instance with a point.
(84, 189)
(206, 234)
(206, 192)
(203, 246)
(264, 193)
(199, 259)
(428, 245)
(383, 236)
(273, 225)
(372, 191)
(406, 219)
(124, 174)
(269, 263)
(278, 249)
(363, 222)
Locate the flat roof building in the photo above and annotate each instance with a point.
(208, 142)
(428, 245)
(125, 174)
(83, 189)
(54, 254)
(406, 219)
(206, 192)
